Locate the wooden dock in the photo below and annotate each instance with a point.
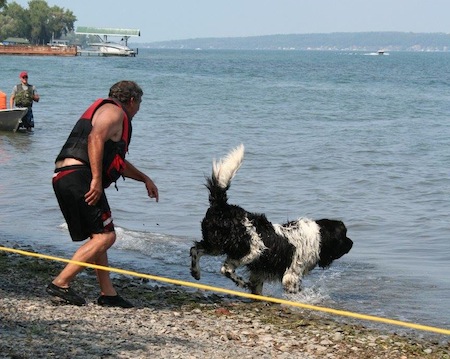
(38, 50)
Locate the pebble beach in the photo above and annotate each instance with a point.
(170, 322)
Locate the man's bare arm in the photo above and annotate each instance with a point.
(106, 125)
(134, 173)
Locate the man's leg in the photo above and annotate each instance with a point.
(26, 119)
(108, 295)
(103, 277)
(93, 251)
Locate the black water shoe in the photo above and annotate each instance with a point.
(66, 294)
(113, 301)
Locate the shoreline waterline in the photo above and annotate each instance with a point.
(169, 321)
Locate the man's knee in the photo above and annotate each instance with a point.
(110, 238)
(105, 240)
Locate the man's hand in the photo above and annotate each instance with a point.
(95, 192)
(152, 190)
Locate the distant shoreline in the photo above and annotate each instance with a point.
(344, 41)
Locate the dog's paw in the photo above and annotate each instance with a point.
(292, 288)
(293, 291)
(195, 274)
(254, 288)
(248, 285)
(195, 269)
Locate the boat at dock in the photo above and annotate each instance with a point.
(10, 119)
(108, 48)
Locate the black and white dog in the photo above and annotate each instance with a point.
(282, 252)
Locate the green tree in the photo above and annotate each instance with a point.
(61, 22)
(7, 26)
(16, 21)
(39, 23)
(39, 18)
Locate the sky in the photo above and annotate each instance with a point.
(186, 19)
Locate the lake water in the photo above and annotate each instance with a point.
(350, 136)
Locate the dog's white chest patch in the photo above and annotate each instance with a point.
(304, 235)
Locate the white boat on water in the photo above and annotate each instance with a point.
(111, 49)
(103, 47)
(378, 53)
(12, 118)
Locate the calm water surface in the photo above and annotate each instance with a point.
(360, 138)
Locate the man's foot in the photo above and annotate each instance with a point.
(113, 301)
(66, 294)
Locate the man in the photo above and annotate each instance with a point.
(23, 95)
(92, 158)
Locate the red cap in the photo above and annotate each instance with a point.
(23, 74)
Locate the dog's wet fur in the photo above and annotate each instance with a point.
(270, 252)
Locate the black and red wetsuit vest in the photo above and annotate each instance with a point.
(114, 153)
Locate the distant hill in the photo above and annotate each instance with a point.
(357, 41)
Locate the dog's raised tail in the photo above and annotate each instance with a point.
(223, 172)
(225, 169)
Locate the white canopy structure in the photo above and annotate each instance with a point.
(105, 47)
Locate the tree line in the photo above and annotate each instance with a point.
(38, 24)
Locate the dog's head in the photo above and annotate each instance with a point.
(334, 241)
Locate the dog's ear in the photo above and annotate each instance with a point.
(341, 230)
(334, 228)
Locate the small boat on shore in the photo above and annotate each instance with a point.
(11, 119)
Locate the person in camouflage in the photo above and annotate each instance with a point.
(23, 95)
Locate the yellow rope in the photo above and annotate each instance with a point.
(240, 294)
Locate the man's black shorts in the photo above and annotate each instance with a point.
(70, 185)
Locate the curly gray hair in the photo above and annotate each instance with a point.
(124, 91)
